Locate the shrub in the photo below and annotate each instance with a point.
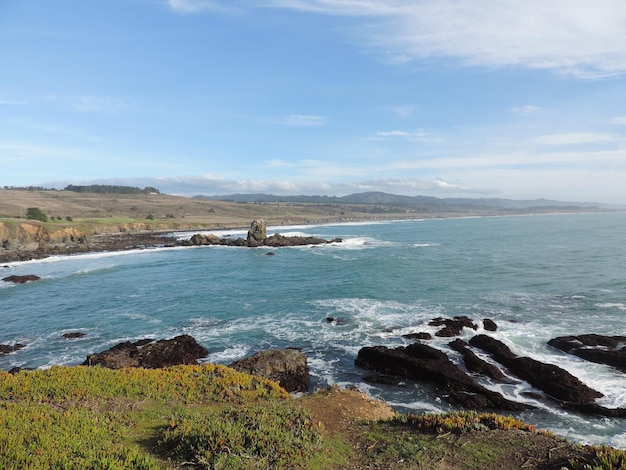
(35, 213)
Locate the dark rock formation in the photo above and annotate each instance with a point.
(182, 349)
(257, 236)
(21, 279)
(287, 367)
(421, 335)
(9, 348)
(553, 380)
(73, 335)
(424, 363)
(452, 326)
(257, 233)
(383, 379)
(476, 364)
(609, 350)
(489, 325)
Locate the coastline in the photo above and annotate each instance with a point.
(122, 238)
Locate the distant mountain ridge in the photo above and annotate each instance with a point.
(376, 197)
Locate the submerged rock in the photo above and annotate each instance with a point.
(609, 350)
(21, 279)
(287, 367)
(9, 348)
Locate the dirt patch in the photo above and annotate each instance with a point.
(338, 409)
(376, 441)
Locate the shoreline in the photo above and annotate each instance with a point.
(116, 240)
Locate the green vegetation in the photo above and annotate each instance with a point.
(212, 417)
(90, 417)
(35, 213)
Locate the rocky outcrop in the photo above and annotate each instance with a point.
(21, 279)
(257, 237)
(9, 348)
(287, 367)
(424, 363)
(257, 233)
(554, 381)
(452, 326)
(149, 354)
(489, 325)
(609, 350)
(476, 364)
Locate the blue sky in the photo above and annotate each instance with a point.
(444, 98)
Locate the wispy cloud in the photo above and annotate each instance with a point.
(403, 112)
(91, 103)
(526, 109)
(4, 102)
(620, 120)
(415, 136)
(304, 120)
(583, 38)
(575, 138)
(197, 6)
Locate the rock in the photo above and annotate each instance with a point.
(73, 335)
(21, 279)
(182, 349)
(383, 379)
(421, 335)
(269, 253)
(9, 348)
(489, 325)
(287, 367)
(424, 363)
(476, 364)
(553, 380)
(278, 240)
(257, 233)
(452, 326)
(200, 239)
(609, 350)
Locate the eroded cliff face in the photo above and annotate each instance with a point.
(32, 236)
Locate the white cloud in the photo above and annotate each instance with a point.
(575, 138)
(620, 120)
(527, 109)
(190, 6)
(403, 112)
(304, 120)
(416, 136)
(90, 103)
(584, 38)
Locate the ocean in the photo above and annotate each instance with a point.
(537, 277)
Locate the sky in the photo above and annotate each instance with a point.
(445, 98)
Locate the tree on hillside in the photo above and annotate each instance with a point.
(35, 213)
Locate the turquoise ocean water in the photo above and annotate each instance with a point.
(537, 277)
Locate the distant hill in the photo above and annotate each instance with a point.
(381, 198)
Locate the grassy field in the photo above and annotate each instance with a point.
(212, 417)
(176, 211)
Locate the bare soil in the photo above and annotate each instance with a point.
(364, 425)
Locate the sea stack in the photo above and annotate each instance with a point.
(257, 233)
